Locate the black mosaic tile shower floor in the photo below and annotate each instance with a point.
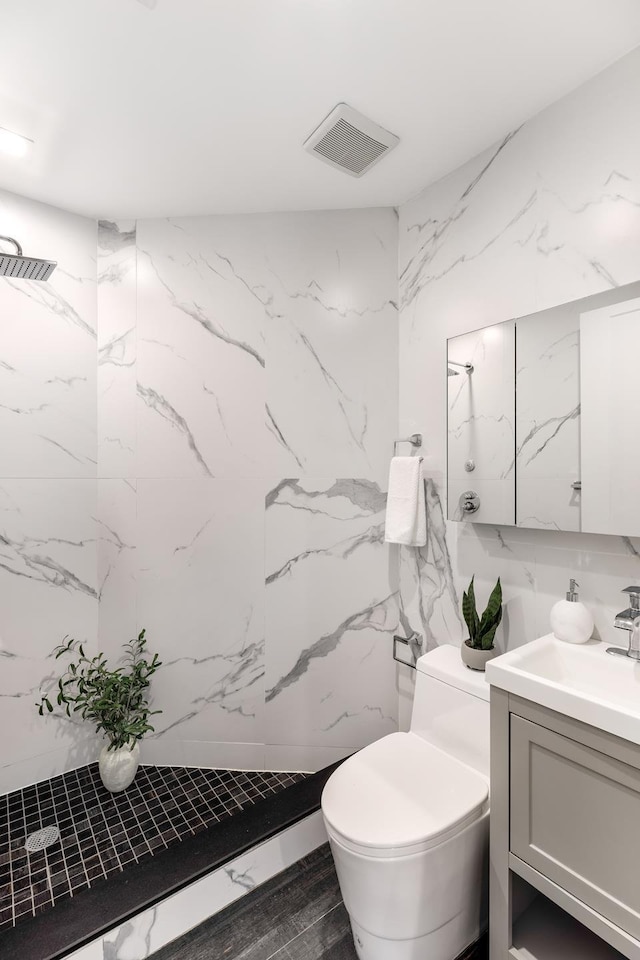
(101, 833)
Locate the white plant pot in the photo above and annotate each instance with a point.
(118, 767)
(476, 659)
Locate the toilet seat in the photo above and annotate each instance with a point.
(400, 796)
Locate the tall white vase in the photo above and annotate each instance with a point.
(118, 767)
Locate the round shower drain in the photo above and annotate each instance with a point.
(42, 839)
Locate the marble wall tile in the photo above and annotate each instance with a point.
(48, 536)
(493, 555)
(467, 254)
(201, 354)
(331, 341)
(428, 582)
(547, 216)
(602, 576)
(589, 187)
(200, 588)
(48, 395)
(267, 348)
(480, 221)
(485, 212)
(266, 344)
(116, 349)
(49, 590)
(117, 557)
(330, 614)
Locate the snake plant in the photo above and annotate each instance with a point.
(482, 629)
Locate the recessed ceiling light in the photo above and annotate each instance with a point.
(14, 145)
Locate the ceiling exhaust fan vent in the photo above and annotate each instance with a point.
(350, 141)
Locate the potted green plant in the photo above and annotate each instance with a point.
(115, 700)
(478, 648)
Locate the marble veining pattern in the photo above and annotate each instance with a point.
(48, 396)
(48, 555)
(200, 346)
(48, 468)
(117, 327)
(224, 301)
(200, 578)
(231, 361)
(250, 363)
(549, 215)
(327, 580)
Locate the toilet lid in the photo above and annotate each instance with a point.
(400, 793)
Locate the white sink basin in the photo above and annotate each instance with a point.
(581, 681)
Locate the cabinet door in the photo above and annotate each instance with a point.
(575, 817)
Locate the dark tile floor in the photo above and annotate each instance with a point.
(298, 915)
(102, 833)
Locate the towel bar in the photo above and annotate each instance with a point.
(415, 440)
(411, 646)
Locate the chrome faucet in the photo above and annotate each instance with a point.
(629, 619)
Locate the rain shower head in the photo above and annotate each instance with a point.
(19, 267)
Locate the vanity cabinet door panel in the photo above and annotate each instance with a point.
(575, 817)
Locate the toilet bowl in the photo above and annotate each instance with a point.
(407, 819)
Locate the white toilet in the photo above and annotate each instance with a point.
(408, 822)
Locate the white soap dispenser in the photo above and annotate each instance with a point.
(570, 619)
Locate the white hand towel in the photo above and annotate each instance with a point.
(406, 509)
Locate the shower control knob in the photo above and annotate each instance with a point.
(470, 502)
(470, 466)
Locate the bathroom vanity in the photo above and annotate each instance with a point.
(565, 804)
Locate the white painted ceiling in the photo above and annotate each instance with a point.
(143, 108)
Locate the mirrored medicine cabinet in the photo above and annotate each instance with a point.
(543, 418)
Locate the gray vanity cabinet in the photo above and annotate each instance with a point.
(565, 831)
(575, 817)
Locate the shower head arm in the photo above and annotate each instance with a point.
(15, 243)
(16, 266)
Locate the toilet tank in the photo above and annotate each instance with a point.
(451, 707)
